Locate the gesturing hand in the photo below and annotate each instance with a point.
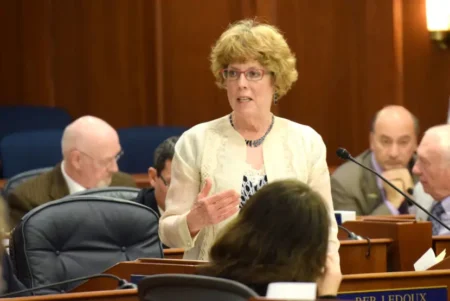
(211, 210)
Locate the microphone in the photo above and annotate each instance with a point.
(344, 154)
(123, 284)
(351, 235)
(354, 236)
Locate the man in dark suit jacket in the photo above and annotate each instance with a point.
(159, 177)
(393, 141)
(91, 149)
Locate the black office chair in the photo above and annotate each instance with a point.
(119, 192)
(192, 288)
(81, 235)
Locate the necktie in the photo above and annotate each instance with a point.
(437, 211)
(403, 209)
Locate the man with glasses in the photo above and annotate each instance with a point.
(159, 177)
(393, 142)
(90, 149)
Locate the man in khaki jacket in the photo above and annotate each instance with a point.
(90, 149)
(393, 142)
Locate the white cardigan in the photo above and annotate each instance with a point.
(217, 151)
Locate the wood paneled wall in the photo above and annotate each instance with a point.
(142, 62)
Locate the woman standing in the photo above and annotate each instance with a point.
(219, 164)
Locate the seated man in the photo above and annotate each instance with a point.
(424, 199)
(90, 149)
(159, 177)
(433, 169)
(393, 141)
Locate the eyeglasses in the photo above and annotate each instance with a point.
(164, 181)
(105, 162)
(250, 74)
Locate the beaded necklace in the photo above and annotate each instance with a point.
(257, 142)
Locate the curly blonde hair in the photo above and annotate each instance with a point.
(248, 40)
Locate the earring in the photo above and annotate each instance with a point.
(275, 98)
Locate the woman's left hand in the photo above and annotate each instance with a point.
(329, 282)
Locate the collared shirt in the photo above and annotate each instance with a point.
(445, 217)
(71, 184)
(378, 169)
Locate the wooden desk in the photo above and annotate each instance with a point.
(443, 265)
(141, 180)
(401, 217)
(354, 259)
(440, 243)
(124, 270)
(352, 253)
(171, 261)
(350, 283)
(174, 253)
(395, 280)
(125, 295)
(110, 295)
(411, 239)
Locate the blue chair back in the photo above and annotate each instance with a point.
(27, 118)
(139, 143)
(25, 151)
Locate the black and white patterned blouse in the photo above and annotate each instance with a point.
(252, 181)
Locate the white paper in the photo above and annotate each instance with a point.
(441, 256)
(346, 215)
(292, 291)
(428, 260)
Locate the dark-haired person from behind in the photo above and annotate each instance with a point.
(9, 282)
(159, 177)
(280, 235)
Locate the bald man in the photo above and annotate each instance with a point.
(90, 149)
(393, 142)
(433, 169)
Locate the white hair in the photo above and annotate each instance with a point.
(441, 133)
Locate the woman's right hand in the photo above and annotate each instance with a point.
(211, 210)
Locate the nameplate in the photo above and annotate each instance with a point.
(416, 294)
